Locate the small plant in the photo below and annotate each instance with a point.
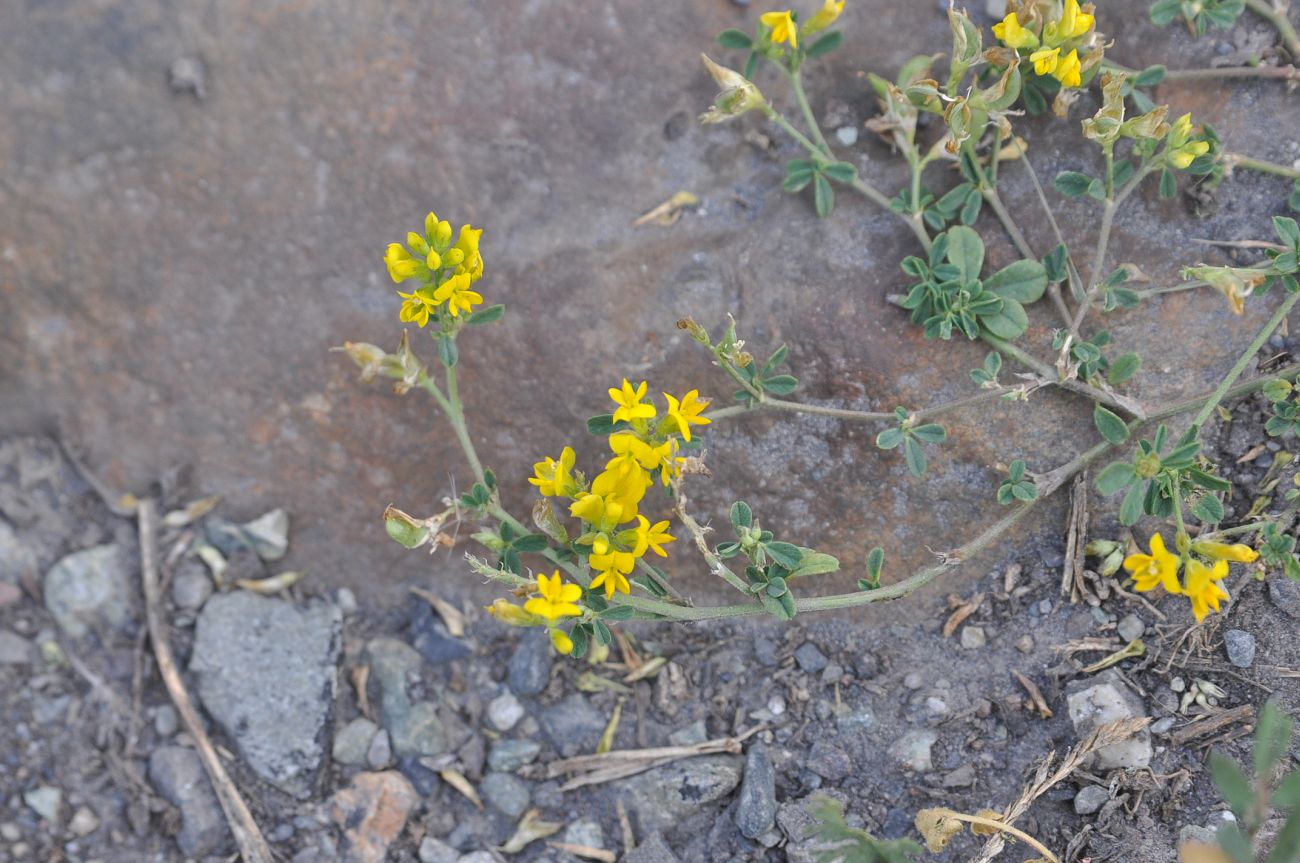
(1269, 787)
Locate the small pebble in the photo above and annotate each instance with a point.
(1045, 606)
(1241, 647)
(1090, 799)
(346, 600)
(505, 711)
(165, 720)
(380, 753)
(1131, 627)
(810, 658)
(776, 705)
(913, 680)
(972, 637)
(1025, 644)
(1178, 684)
(847, 135)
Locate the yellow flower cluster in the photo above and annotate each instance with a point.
(1200, 583)
(445, 271)
(609, 508)
(556, 600)
(782, 25)
(1053, 46)
(1181, 145)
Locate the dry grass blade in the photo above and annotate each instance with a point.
(649, 668)
(1101, 737)
(450, 614)
(620, 763)
(586, 852)
(531, 827)
(669, 211)
(1075, 538)
(963, 611)
(252, 845)
(1244, 715)
(457, 780)
(1035, 694)
(269, 586)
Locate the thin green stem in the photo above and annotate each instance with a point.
(1048, 373)
(796, 83)
(1278, 18)
(456, 416)
(1246, 357)
(1171, 289)
(1072, 273)
(1286, 73)
(1250, 163)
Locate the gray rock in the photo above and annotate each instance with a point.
(1090, 799)
(165, 720)
(756, 808)
(530, 665)
(14, 649)
(380, 753)
(83, 822)
(505, 711)
(269, 534)
(912, 750)
(178, 775)
(414, 728)
(346, 600)
(89, 590)
(829, 762)
(266, 673)
(507, 756)
(353, 742)
(434, 851)
(45, 801)
(690, 735)
(1131, 627)
(665, 795)
(652, 849)
(429, 636)
(17, 560)
(810, 658)
(1285, 594)
(962, 777)
(573, 725)
(1106, 702)
(478, 857)
(191, 586)
(506, 792)
(973, 637)
(1241, 647)
(585, 832)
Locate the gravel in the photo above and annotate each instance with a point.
(810, 658)
(505, 711)
(1090, 799)
(912, 750)
(506, 792)
(756, 807)
(530, 666)
(178, 775)
(507, 756)
(89, 591)
(1240, 645)
(353, 742)
(1106, 702)
(667, 795)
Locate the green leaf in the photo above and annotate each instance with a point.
(1112, 428)
(1286, 848)
(580, 640)
(1150, 76)
(875, 563)
(1124, 368)
(1072, 184)
(1272, 738)
(735, 39)
(1130, 509)
(741, 515)
(890, 438)
(602, 424)
(841, 172)
(1232, 840)
(1164, 11)
(1008, 324)
(781, 607)
(915, 456)
(773, 362)
(781, 385)
(1287, 795)
(796, 178)
(815, 563)
(823, 196)
(618, 612)
(825, 44)
(486, 315)
(603, 635)
(1168, 184)
(1208, 509)
(447, 351)
(966, 252)
(1022, 281)
(930, 433)
(533, 542)
(785, 553)
(1287, 231)
(1055, 264)
(1116, 476)
(841, 843)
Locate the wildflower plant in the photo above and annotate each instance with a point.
(611, 515)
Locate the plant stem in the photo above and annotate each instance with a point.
(1250, 163)
(1278, 18)
(860, 185)
(1246, 357)
(1290, 73)
(1005, 828)
(796, 83)
(1110, 399)
(716, 566)
(1076, 283)
(456, 416)
(1171, 289)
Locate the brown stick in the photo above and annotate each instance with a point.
(1210, 724)
(252, 845)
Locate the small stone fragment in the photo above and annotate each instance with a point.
(913, 750)
(269, 534)
(507, 756)
(828, 761)
(1285, 594)
(191, 586)
(178, 775)
(165, 720)
(1025, 643)
(973, 637)
(83, 822)
(585, 832)
(962, 777)
(45, 801)
(372, 812)
(756, 808)
(433, 851)
(1090, 799)
(664, 796)
(810, 658)
(506, 792)
(353, 742)
(14, 649)
(380, 753)
(1240, 645)
(652, 849)
(505, 711)
(89, 590)
(1131, 627)
(1103, 703)
(530, 665)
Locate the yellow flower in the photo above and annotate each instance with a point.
(624, 481)
(687, 412)
(456, 293)
(438, 232)
(1237, 552)
(1013, 35)
(629, 402)
(1203, 587)
(1157, 568)
(1073, 24)
(653, 537)
(509, 613)
(824, 17)
(561, 642)
(555, 478)
(628, 446)
(1045, 60)
(401, 266)
(604, 513)
(612, 570)
(783, 29)
(1069, 71)
(1182, 149)
(557, 598)
(471, 260)
(417, 306)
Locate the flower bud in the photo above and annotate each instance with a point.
(561, 642)
(697, 332)
(1147, 465)
(490, 539)
(510, 614)
(406, 530)
(369, 358)
(1112, 563)
(738, 94)
(1236, 552)
(1100, 547)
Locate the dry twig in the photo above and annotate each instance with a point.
(621, 763)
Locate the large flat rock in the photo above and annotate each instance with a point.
(174, 268)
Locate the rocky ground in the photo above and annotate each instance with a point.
(433, 733)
